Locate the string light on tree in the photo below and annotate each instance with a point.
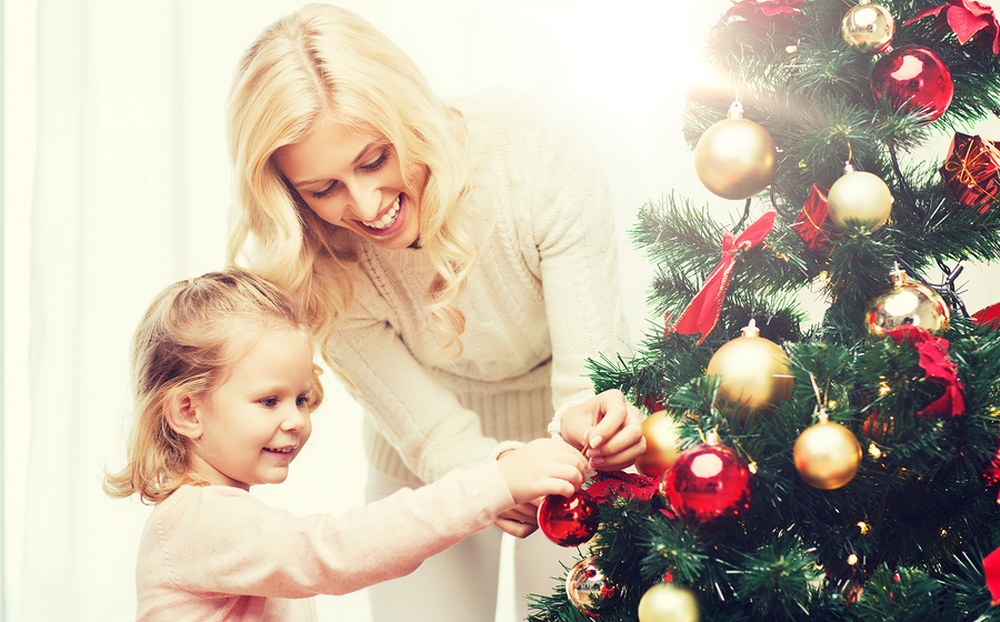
(753, 371)
(826, 454)
(588, 589)
(868, 27)
(735, 158)
(662, 434)
(861, 197)
(906, 303)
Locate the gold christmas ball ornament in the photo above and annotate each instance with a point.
(868, 27)
(666, 602)
(859, 196)
(754, 371)
(906, 303)
(588, 589)
(735, 158)
(662, 434)
(826, 454)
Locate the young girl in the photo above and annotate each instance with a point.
(224, 386)
(457, 263)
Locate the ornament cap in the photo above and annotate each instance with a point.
(712, 438)
(735, 110)
(751, 330)
(898, 277)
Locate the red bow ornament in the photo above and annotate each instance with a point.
(702, 312)
(967, 18)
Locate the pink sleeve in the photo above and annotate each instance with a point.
(217, 540)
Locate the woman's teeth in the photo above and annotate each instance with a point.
(387, 219)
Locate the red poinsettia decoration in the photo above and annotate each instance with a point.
(938, 368)
(967, 18)
(762, 12)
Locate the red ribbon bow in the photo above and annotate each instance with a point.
(702, 312)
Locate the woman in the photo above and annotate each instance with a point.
(456, 261)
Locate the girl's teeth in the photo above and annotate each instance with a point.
(385, 220)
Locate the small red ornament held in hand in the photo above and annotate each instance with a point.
(568, 521)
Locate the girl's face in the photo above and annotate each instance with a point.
(256, 422)
(353, 180)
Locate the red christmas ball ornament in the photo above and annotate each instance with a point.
(568, 521)
(916, 78)
(708, 484)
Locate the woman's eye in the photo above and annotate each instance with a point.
(319, 194)
(379, 161)
(269, 402)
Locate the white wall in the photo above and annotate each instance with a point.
(621, 72)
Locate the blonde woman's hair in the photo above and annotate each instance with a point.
(324, 59)
(186, 343)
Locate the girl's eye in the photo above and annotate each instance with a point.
(269, 402)
(302, 400)
(325, 191)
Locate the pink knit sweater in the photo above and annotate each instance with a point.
(217, 553)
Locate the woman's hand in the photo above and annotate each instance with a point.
(607, 429)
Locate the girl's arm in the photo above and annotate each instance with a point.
(223, 541)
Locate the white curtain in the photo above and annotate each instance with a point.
(129, 192)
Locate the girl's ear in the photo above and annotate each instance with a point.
(183, 416)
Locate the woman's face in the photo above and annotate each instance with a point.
(353, 180)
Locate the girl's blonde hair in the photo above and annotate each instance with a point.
(186, 343)
(325, 59)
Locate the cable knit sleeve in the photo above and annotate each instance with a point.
(573, 229)
(216, 541)
(430, 430)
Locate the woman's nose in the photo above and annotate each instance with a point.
(364, 200)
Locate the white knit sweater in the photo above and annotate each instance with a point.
(542, 297)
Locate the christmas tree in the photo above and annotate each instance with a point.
(839, 468)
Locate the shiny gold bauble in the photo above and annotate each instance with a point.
(588, 589)
(753, 371)
(868, 27)
(859, 196)
(907, 303)
(735, 158)
(827, 455)
(662, 434)
(666, 602)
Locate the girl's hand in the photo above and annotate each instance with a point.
(542, 467)
(607, 429)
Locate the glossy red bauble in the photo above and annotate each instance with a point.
(568, 521)
(915, 78)
(707, 485)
